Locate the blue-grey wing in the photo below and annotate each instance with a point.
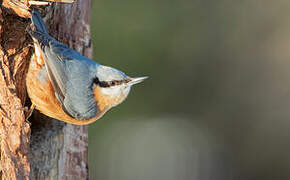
(70, 74)
(55, 67)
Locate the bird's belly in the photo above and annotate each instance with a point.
(42, 94)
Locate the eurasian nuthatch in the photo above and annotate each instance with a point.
(67, 86)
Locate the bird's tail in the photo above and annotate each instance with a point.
(37, 29)
(37, 22)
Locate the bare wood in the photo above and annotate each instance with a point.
(18, 7)
(38, 3)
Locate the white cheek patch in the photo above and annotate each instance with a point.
(126, 90)
(116, 91)
(111, 91)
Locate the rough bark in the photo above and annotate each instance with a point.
(56, 150)
(14, 130)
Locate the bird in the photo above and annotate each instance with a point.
(64, 85)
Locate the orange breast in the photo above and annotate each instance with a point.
(105, 102)
(42, 95)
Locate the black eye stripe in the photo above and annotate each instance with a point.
(110, 83)
(104, 84)
(96, 80)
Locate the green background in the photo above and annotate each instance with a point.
(216, 105)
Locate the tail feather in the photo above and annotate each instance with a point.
(38, 22)
(38, 30)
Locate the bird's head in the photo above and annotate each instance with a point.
(112, 86)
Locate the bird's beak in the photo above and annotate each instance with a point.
(136, 80)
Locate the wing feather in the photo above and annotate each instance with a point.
(69, 72)
(69, 76)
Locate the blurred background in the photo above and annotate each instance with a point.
(217, 103)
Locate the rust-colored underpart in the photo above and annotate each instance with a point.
(15, 53)
(42, 95)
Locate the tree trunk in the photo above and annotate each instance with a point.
(14, 130)
(57, 150)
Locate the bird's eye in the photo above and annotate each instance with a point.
(113, 83)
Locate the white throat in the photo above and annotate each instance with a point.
(116, 91)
